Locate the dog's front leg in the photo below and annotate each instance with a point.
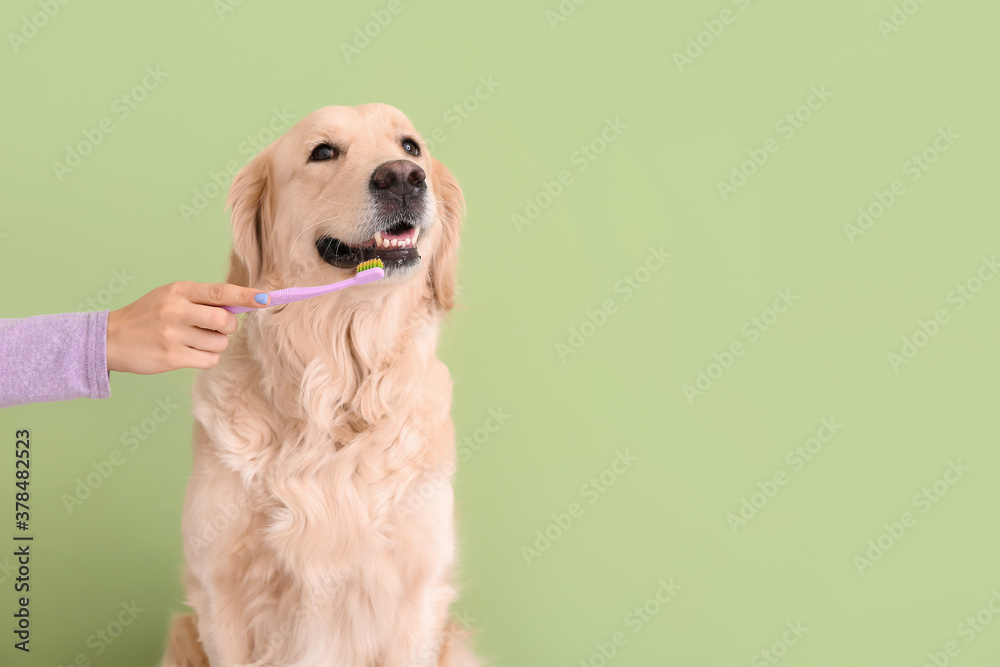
(424, 554)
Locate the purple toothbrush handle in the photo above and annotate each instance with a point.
(292, 294)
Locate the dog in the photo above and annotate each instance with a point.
(318, 520)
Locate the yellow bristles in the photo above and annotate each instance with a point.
(370, 264)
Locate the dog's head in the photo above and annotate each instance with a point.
(345, 185)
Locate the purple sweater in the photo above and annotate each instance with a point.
(54, 358)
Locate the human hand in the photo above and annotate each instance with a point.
(180, 325)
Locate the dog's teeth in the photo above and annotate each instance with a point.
(393, 243)
(378, 239)
(385, 243)
(416, 233)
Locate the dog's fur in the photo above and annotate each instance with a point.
(318, 522)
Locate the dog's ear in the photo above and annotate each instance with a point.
(249, 199)
(451, 211)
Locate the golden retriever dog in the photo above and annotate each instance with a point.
(318, 521)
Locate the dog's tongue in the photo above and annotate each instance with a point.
(405, 234)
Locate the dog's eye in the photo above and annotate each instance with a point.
(410, 146)
(324, 152)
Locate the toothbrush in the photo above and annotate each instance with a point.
(367, 272)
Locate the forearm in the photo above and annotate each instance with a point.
(53, 358)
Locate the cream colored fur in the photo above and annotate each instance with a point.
(318, 526)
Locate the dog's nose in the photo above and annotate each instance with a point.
(400, 177)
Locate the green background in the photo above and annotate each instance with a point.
(523, 291)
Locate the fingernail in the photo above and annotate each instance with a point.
(261, 298)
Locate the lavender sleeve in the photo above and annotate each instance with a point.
(54, 358)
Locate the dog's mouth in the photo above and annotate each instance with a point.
(396, 247)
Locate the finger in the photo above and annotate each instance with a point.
(207, 341)
(200, 359)
(211, 318)
(223, 294)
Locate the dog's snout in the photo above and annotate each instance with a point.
(399, 177)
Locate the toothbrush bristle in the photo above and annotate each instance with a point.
(370, 264)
